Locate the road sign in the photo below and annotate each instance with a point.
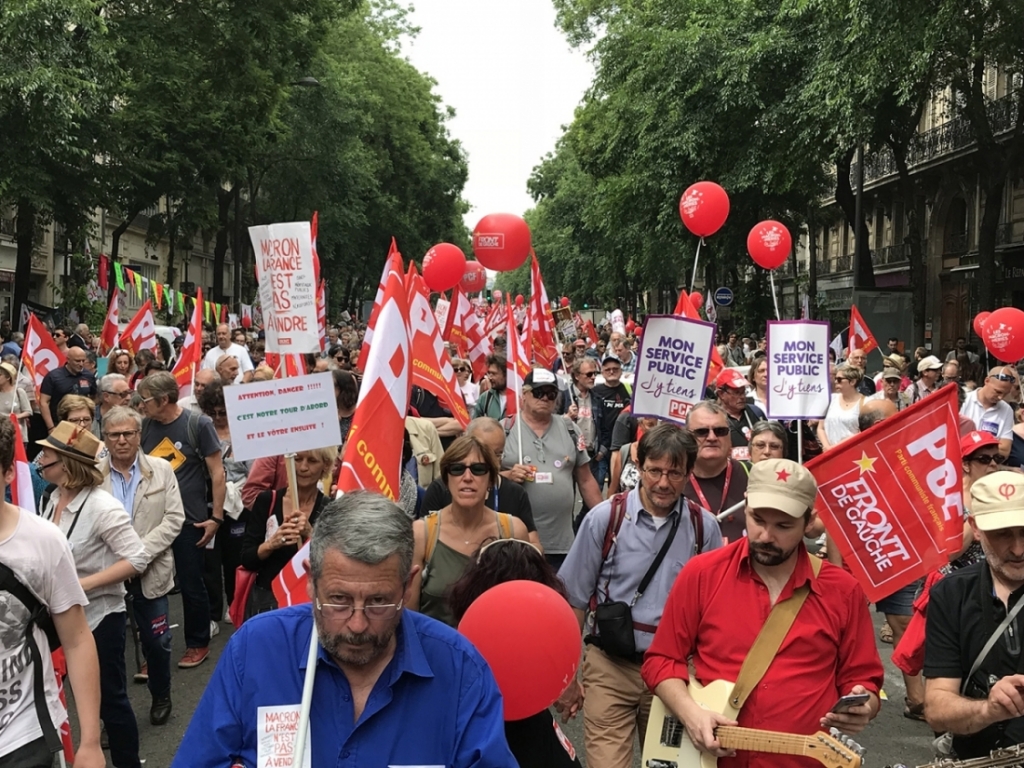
(723, 296)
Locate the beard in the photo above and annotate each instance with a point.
(371, 646)
(768, 554)
(1009, 570)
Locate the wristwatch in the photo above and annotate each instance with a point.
(218, 520)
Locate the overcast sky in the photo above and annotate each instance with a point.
(513, 81)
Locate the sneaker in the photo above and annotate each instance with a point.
(142, 676)
(227, 616)
(214, 628)
(193, 657)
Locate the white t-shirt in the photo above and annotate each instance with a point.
(40, 557)
(839, 423)
(998, 419)
(236, 351)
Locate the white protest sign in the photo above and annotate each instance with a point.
(276, 731)
(672, 368)
(270, 418)
(441, 310)
(799, 384)
(284, 267)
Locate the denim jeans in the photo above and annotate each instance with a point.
(115, 708)
(189, 562)
(600, 470)
(155, 637)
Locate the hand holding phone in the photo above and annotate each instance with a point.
(849, 701)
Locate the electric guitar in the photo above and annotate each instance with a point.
(668, 746)
(1008, 757)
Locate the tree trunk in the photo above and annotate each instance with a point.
(115, 249)
(24, 236)
(913, 205)
(220, 250)
(864, 275)
(812, 267)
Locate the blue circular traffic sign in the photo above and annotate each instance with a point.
(723, 296)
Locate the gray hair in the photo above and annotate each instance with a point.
(120, 414)
(365, 527)
(483, 425)
(159, 384)
(110, 378)
(708, 405)
(12, 359)
(775, 428)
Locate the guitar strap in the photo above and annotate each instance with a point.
(769, 639)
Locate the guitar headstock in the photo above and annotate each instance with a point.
(835, 750)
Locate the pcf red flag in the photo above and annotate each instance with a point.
(109, 334)
(891, 497)
(140, 333)
(467, 331)
(40, 354)
(191, 350)
(860, 335)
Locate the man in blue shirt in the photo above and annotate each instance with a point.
(392, 687)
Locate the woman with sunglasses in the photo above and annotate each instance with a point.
(840, 422)
(447, 540)
(535, 741)
(469, 389)
(275, 529)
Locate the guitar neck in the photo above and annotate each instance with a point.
(756, 740)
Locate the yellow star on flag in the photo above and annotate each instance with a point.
(865, 463)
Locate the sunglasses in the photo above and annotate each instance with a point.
(842, 378)
(701, 433)
(1003, 377)
(478, 468)
(988, 459)
(545, 394)
(462, 370)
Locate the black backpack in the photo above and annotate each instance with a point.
(40, 617)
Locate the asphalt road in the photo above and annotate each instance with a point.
(889, 739)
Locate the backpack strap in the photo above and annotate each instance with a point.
(618, 514)
(504, 525)
(38, 615)
(697, 521)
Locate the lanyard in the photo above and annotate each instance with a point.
(725, 491)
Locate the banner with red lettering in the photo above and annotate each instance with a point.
(378, 300)
(108, 336)
(466, 332)
(287, 286)
(40, 354)
(891, 497)
(140, 333)
(373, 452)
(191, 350)
(431, 367)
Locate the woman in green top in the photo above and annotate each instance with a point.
(447, 540)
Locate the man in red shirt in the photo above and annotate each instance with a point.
(722, 599)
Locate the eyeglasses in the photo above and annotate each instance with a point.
(656, 474)
(701, 433)
(545, 394)
(763, 446)
(82, 421)
(478, 468)
(148, 399)
(374, 612)
(893, 381)
(128, 434)
(987, 458)
(590, 375)
(122, 395)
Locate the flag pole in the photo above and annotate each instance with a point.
(307, 700)
(799, 442)
(21, 363)
(775, 298)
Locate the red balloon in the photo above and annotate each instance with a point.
(696, 300)
(444, 266)
(501, 241)
(520, 300)
(529, 636)
(704, 207)
(769, 244)
(1003, 334)
(630, 326)
(246, 321)
(979, 323)
(474, 278)
(565, 301)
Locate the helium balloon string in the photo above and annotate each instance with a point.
(696, 259)
(775, 299)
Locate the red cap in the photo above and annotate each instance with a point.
(972, 441)
(730, 377)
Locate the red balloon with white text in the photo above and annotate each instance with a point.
(1003, 334)
(769, 244)
(501, 241)
(474, 279)
(444, 266)
(704, 207)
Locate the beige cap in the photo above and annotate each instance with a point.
(998, 501)
(891, 373)
(930, 363)
(781, 484)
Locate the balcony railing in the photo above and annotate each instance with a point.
(836, 264)
(955, 243)
(949, 137)
(8, 227)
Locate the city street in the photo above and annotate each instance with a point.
(889, 739)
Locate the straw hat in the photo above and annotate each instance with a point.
(72, 441)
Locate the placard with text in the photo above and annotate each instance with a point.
(672, 367)
(799, 381)
(284, 268)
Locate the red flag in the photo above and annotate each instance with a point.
(321, 311)
(246, 315)
(285, 365)
(542, 324)
(40, 354)
(373, 452)
(860, 335)
(103, 272)
(108, 336)
(22, 494)
(364, 353)
(499, 316)
(891, 497)
(60, 670)
(191, 351)
(591, 332)
(314, 225)
(685, 308)
(433, 367)
(140, 333)
(517, 367)
(467, 332)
